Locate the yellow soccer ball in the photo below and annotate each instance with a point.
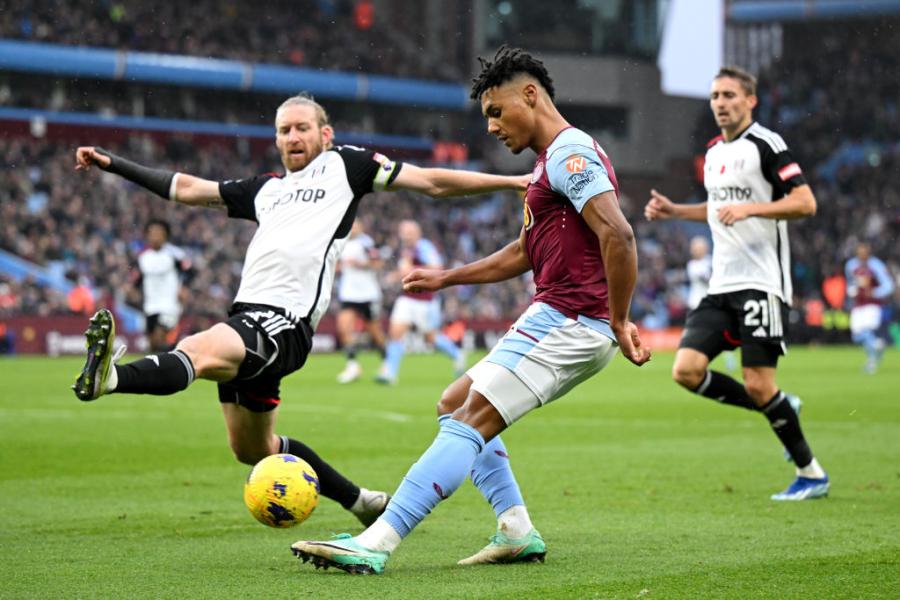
(281, 491)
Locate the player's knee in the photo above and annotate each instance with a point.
(451, 399)
(687, 376)
(249, 454)
(206, 359)
(760, 390)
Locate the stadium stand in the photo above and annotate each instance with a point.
(330, 34)
(92, 226)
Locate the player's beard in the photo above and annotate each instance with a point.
(310, 152)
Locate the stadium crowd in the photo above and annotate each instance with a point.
(333, 34)
(92, 226)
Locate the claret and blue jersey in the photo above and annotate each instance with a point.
(564, 252)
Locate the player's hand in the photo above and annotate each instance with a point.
(659, 207)
(423, 280)
(86, 156)
(731, 214)
(630, 343)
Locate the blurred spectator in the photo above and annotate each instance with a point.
(313, 33)
(81, 298)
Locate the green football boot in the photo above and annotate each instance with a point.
(342, 552)
(100, 336)
(504, 549)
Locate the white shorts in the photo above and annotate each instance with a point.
(865, 318)
(424, 315)
(542, 356)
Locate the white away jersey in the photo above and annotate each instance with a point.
(160, 279)
(756, 167)
(304, 220)
(358, 283)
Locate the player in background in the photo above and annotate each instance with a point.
(754, 185)
(582, 252)
(161, 267)
(869, 286)
(421, 310)
(304, 218)
(359, 293)
(699, 271)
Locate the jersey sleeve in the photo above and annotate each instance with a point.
(368, 171)
(576, 172)
(885, 285)
(780, 168)
(428, 254)
(240, 195)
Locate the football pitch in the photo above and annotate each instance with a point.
(641, 490)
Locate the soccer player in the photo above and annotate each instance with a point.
(161, 266)
(304, 218)
(582, 252)
(869, 285)
(421, 310)
(753, 186)
(360, 296)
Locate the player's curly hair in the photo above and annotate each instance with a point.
(509, 62)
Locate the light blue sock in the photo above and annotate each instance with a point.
(868, 339)
(437, 474)
(393, 356)
(492, 475)
(446, 346)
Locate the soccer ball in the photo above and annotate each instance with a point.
(281, 491)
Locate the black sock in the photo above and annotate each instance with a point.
(331, 483)
(382, 350)
(351, 353)
(159, 374)
(725, 389)
(786, 425)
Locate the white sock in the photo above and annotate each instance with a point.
(112, 381)
(359, 503)
(812, 471)
(380, 536)
(515, 522)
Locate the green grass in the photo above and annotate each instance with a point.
(641, 490)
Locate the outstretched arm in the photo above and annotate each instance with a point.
(799, 203)
(443, 183)
(660, 208)
(504, 264)
(605, 218)
(181, 187)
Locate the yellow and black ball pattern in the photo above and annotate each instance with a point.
(281, 491)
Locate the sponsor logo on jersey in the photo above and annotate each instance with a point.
(299, 195)
(788, 171)
(575, 164)
(578, 181)
(728, 193)
(759, 332)
(538, 171)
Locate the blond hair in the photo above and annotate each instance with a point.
(304, 99)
